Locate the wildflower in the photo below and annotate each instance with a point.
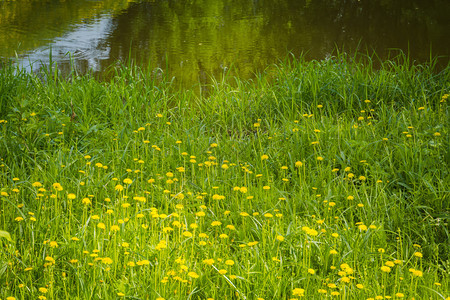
(49, 259)
(86, 201)
(231, 227)
(114, 228)
(43, 290)
(360, 286)
(107, 260)
(18, 219)
(437, 134)
(319, 158)
(57, 187)
(322, 291)
(298, 292)
(298, 164)
(418, 254)
(53, 244)
(333, 252)
(120, 294)
(280, 238)
(266, 187)
(229, 262)
(390, 264)
(193, 275)
(263, 157)
(101, 225)
(209, 261)
(385, 269)
(399, 295)
(311, 271)
(345, 279)
(119, 187)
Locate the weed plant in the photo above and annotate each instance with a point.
(316, 180)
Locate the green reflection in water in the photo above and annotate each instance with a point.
(194, 39)
(28, 24)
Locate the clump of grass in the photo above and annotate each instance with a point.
(322, 178)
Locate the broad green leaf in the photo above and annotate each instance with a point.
(6, 235)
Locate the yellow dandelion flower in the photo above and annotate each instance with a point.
(385, 269)
(209, 261)
(390, 263)
(298, 292)
(193, 275)
(229, 262)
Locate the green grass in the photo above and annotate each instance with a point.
(330, 172)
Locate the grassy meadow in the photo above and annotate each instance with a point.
(315, 180)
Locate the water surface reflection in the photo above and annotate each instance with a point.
(198, 38)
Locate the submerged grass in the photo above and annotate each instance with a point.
(319, 179)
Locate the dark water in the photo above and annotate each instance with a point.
(194, 39)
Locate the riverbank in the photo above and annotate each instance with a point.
(319, 178)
